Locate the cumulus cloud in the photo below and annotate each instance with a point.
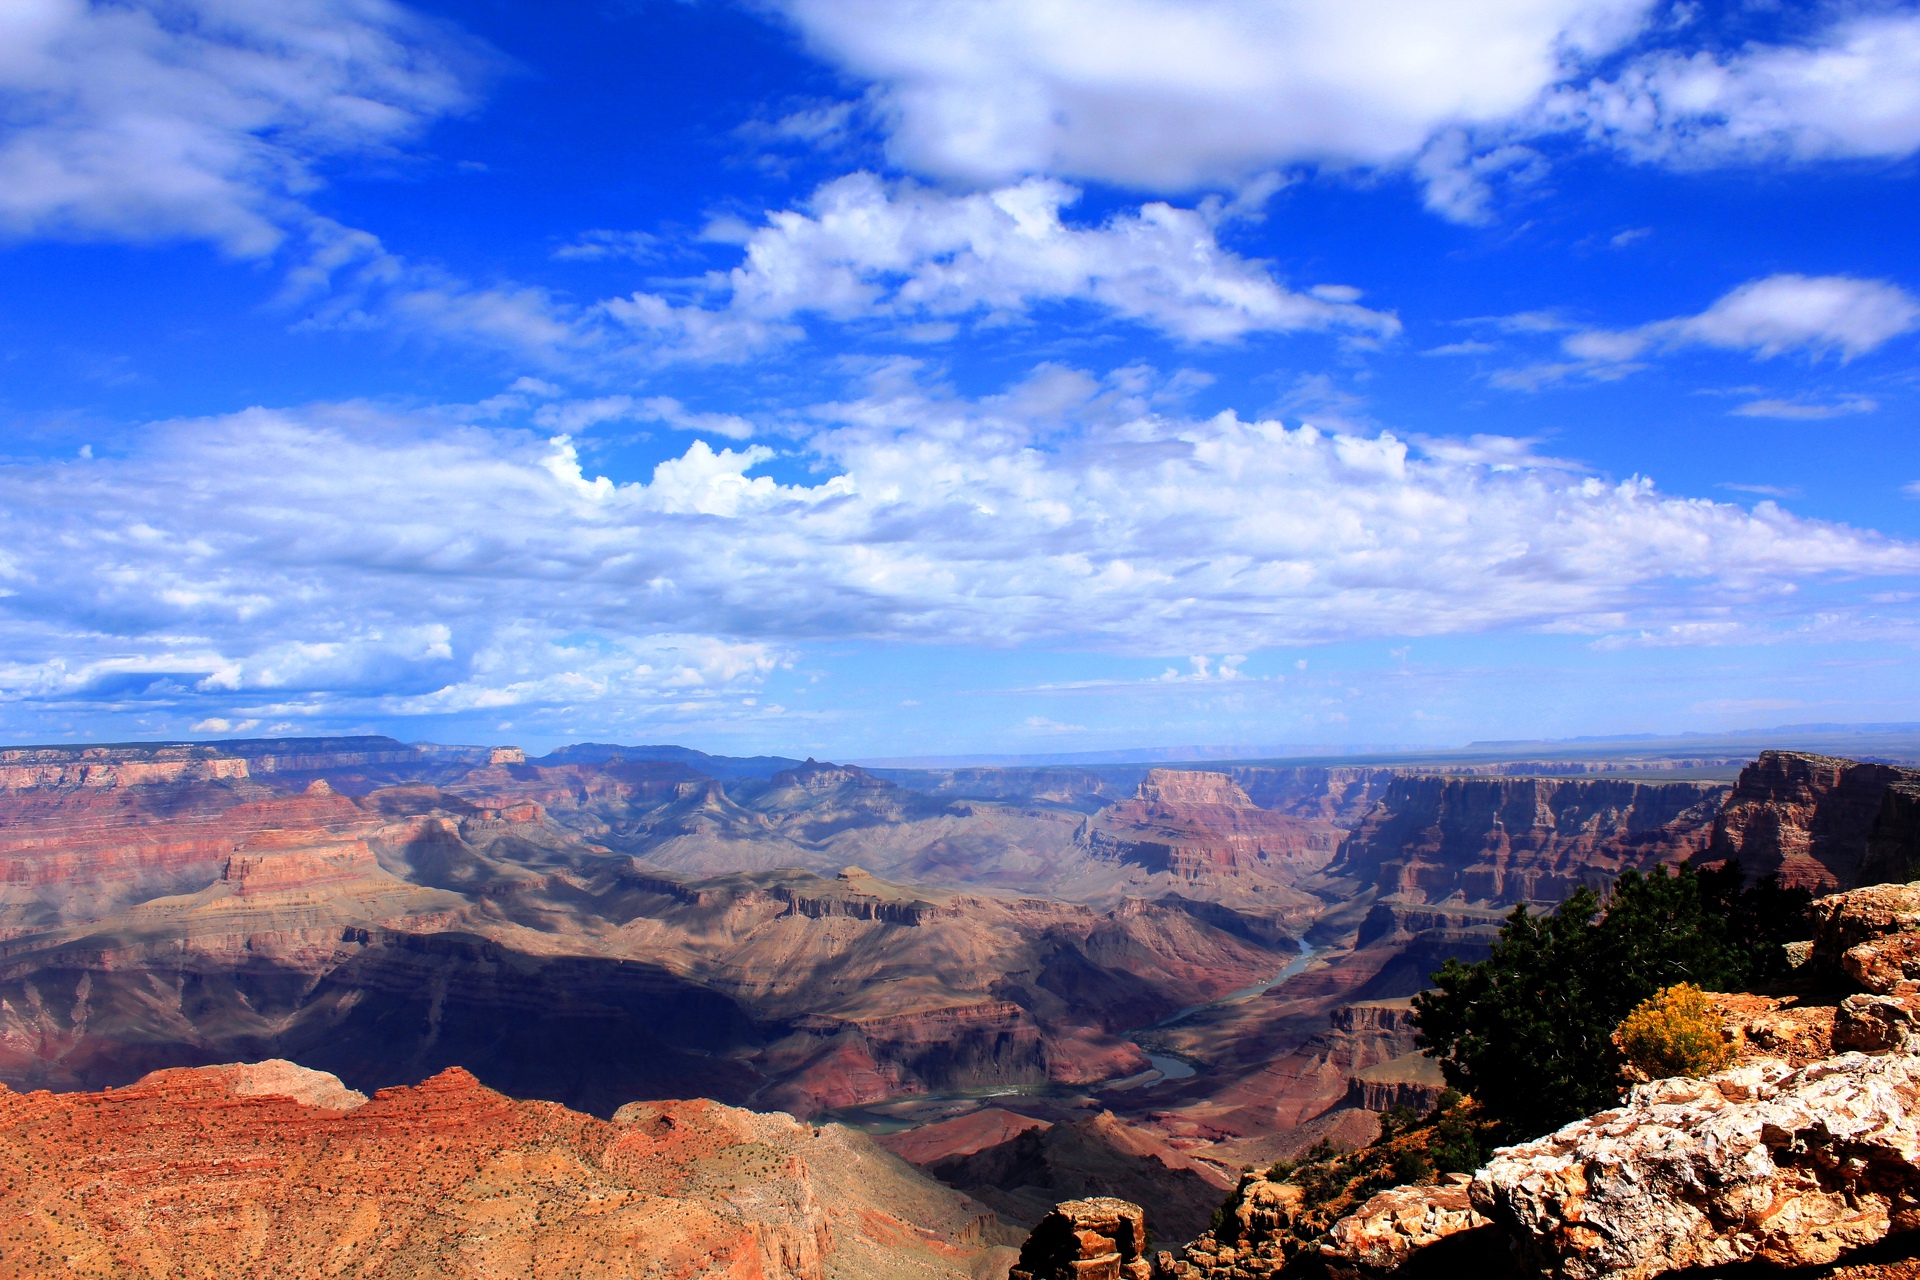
(1163, 95)
(1168, 95)
(861, 249)
(1853, 91)
(1817, 315)
(862, 254)
(428, 569)
(204, 119)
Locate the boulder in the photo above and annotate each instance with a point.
(1096, 1239)
(1884, 963)
(1843, 921)
(1388, 1230)
(1870, 1022)
(1762, 1162)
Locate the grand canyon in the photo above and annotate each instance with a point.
(998, 989)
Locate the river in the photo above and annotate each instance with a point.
(913, 1110)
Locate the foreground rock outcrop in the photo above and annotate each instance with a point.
(272, 1170)
(1789, 1167)
(1387, 1232)
(1097, 1239)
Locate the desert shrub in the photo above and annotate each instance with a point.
(1398, 1121)
(1673, 1033)
(1529, 1030)
(1411, 1165)
(1454, 1145)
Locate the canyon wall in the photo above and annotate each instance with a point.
(1821, 821)
(1513, 840)
(389, 935)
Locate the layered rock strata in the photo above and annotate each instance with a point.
(1821, 821)
(1196, 824)
(1096, 1239)
(274, 1171)
(387, 935)
(1520, 840)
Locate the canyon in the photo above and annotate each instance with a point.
(1027, 984)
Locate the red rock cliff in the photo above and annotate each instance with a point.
(1198, 824)
(275, 1171)
(1511, 840)
(1812, 819)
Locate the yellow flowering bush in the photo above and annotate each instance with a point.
(1673, 1033)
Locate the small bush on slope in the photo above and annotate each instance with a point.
(1330, 1183)
(1673, 1033)
(1528, 1031)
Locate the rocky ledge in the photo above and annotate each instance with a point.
(1805, 1153)
(1095, 1239)
(271, 1170)
(1794, 1167)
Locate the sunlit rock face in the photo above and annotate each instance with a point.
(1512, 840)
(249, 1169)
(1761, 1162)
(1821, 821)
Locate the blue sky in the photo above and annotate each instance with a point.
(858, 378)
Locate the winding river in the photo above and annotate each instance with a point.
(894, 1114)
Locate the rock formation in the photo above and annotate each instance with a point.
(1195, 824)
(1513, 840)
(960, 1136)
(1792, 1167)
(1821, 821)
(605, 924)
(1794, 1160)
(387, 935)
(1383, 1235)
(1023, 1177)
(1097, 1239)
(271, 1170)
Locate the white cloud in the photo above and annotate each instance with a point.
(862, 250)
(268, 563)
(1852, 92)
(1806, 410)
(1817, 315)
(204, 119)
(1170, 94)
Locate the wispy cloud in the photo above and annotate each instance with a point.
(199, 120)
(1806, 410)
(1783, 314)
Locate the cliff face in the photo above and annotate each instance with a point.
(274, 1170)
(388, 935)
(1199, 825)
(1513, 840)
(1821, 821)
(80, 841)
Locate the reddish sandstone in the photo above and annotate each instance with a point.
(215, 1171)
